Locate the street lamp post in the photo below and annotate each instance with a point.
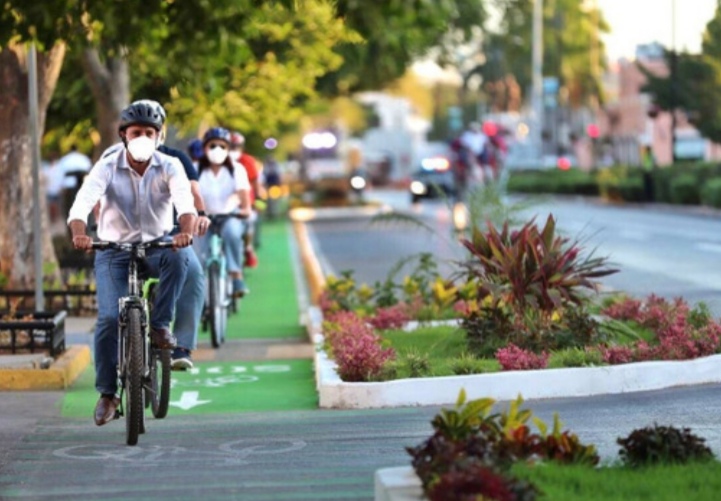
(674, 78)
(33, 113)
(537, 69)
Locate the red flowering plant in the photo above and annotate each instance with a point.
(679, 331)
(513, 358)
(355, 347)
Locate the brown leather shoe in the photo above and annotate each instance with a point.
(162, 338)
(105, 410)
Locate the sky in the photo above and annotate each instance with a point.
(636, 22)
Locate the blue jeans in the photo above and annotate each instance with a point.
(111, 275)
(189, 308)
(232, 235)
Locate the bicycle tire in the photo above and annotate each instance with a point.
(231, 300)
(159, 390)
(215, 307)
(134, 405)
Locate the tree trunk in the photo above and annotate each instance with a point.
(16, 195)
(110, 84)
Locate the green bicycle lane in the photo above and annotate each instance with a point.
(265, 363)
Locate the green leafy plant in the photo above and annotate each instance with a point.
(532, 267)
(575, 357)
(469, 439)
(466, 364)
(417, 364)
(662, 444)
(531, 283)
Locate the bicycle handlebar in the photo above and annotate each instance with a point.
(219, 217)
(127, 246)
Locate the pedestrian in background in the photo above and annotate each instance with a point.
(74, 166)
(54, 178)
(648, 162)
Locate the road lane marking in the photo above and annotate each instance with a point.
(709, 247)
(188, 400)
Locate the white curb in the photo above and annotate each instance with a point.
(397, 484)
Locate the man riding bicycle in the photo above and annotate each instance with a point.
(137, 189)
(189, 309)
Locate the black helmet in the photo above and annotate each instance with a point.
(143, 112)
(217, 133)
(157, 105)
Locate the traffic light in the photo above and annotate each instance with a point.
(563, 163)
(593, 131)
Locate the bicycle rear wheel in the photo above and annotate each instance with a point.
(230, 299)
(134, 405)
(157, 392)
(216, 307)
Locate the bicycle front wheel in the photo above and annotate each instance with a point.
(134, 405)
(158, 393)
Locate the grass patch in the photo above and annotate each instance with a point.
(442, 349)
(697, 481)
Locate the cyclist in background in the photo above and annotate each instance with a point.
(137, 189)
(195, 150)
(225, 189)
(250, 164)
(189, 307)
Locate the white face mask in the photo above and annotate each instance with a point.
(217, 156)
(235, 155)
(141, 148)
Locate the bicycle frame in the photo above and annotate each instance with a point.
(215, 251)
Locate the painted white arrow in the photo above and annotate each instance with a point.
(188, 400)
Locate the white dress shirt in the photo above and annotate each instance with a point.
(219, 190)
(134, 208)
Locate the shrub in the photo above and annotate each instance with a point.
(513, 358)
(711, 193)
(631, 189)
(684, 190)
(476, 481)
(466, 364)
(391, 317)
(662, 444)
(531, 267)
(471, 450)
(360, 358)
(355, 347)
(575, 357)
(681, 333)
(417, 364)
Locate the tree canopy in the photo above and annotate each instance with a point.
(572, 51)
(694, 85)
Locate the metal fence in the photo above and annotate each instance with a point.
(76, 302)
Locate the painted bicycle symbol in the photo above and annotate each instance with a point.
(236, 452)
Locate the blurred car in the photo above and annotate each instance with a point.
(433, 180)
